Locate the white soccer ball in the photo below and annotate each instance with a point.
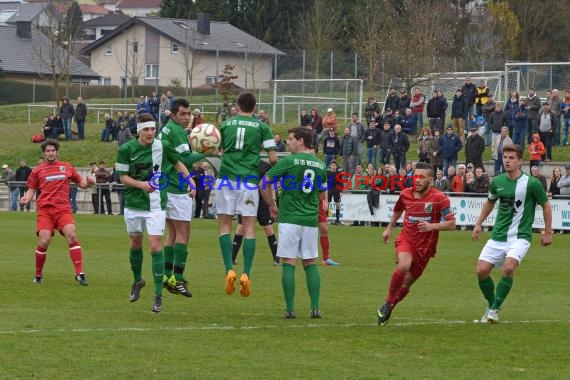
(204, 138)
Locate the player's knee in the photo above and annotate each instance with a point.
(509, 270)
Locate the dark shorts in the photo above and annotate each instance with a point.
(334, 194)
(419, 260)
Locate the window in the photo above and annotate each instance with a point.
(151, 71)
(211, 80)
(109, 50)
(135, 47)
(105, 81)
(174, 48)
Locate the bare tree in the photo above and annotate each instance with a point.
(366, 36)
(131, 60)
(318, 30)
(414, 32)
(48, 48)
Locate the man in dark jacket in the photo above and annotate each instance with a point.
(435, 113)
(547, 125)
(348, 151)
(458, 109)
(533, 105)
(474, 148)
(399, 147)
(392, 101)
(469, 90)
(408, 122)
(66, 113)
(331, 147)
(449, 146)
(497, 120)
(385, 137)
(80, 116)
(305, 119)
(154, 105)
(404, 101)
(22, 174)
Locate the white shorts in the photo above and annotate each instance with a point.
(494, 252)
(230, 201)
(137, 221)
(179, 207)
(298, 241)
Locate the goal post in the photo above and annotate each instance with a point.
(540, 76)
(285, 98)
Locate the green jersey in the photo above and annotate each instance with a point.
(242, 140)
(177, 138)
(517, 203)
(302, 177)
(146, 163)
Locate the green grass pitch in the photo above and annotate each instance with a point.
(61, 330)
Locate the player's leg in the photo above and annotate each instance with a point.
(44, 238)
(271, 240)
(404, 262)
(492, 255)
(180, 257)
(516, 251)
(66, 224)
(169, 248)
(247, 204)
(155, 222)
(134, 222)
(309, 254)
(238, 239)
(336, 197)
(248, 253)
(226, 199)
(287, 251)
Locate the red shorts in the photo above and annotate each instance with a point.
(419, 259)
(50, 219)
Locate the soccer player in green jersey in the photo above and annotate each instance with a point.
(243, 137)
(143, 165)
(179, 204)
(518, 194)
(304, 182)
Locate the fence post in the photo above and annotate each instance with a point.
(274, 101)
(29, 115)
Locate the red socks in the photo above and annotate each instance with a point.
(325, 246)
(76, 257)
(395, 286)
(40, 260)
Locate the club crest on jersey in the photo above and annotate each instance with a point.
(62, 169)
(428, 207)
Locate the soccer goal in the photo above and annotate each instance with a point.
(284, 99)
(540, 76)
(448, 83)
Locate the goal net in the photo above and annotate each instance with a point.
(540, 76)
(284, 99)
(448, 83)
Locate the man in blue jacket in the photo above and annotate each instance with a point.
(449, 146)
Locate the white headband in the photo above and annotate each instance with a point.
(146, 124)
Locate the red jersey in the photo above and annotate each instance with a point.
(431, 208)
(53, 179)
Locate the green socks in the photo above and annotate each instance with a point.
(157, 271)
(487, 286)
(503, 289)
(248, 254)
(180, 256)
(168, 260)
(136, 259)
(288, 283)
(313, 285)
(226, 247)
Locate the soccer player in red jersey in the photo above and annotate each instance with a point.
(425, 207)
(53, 208)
